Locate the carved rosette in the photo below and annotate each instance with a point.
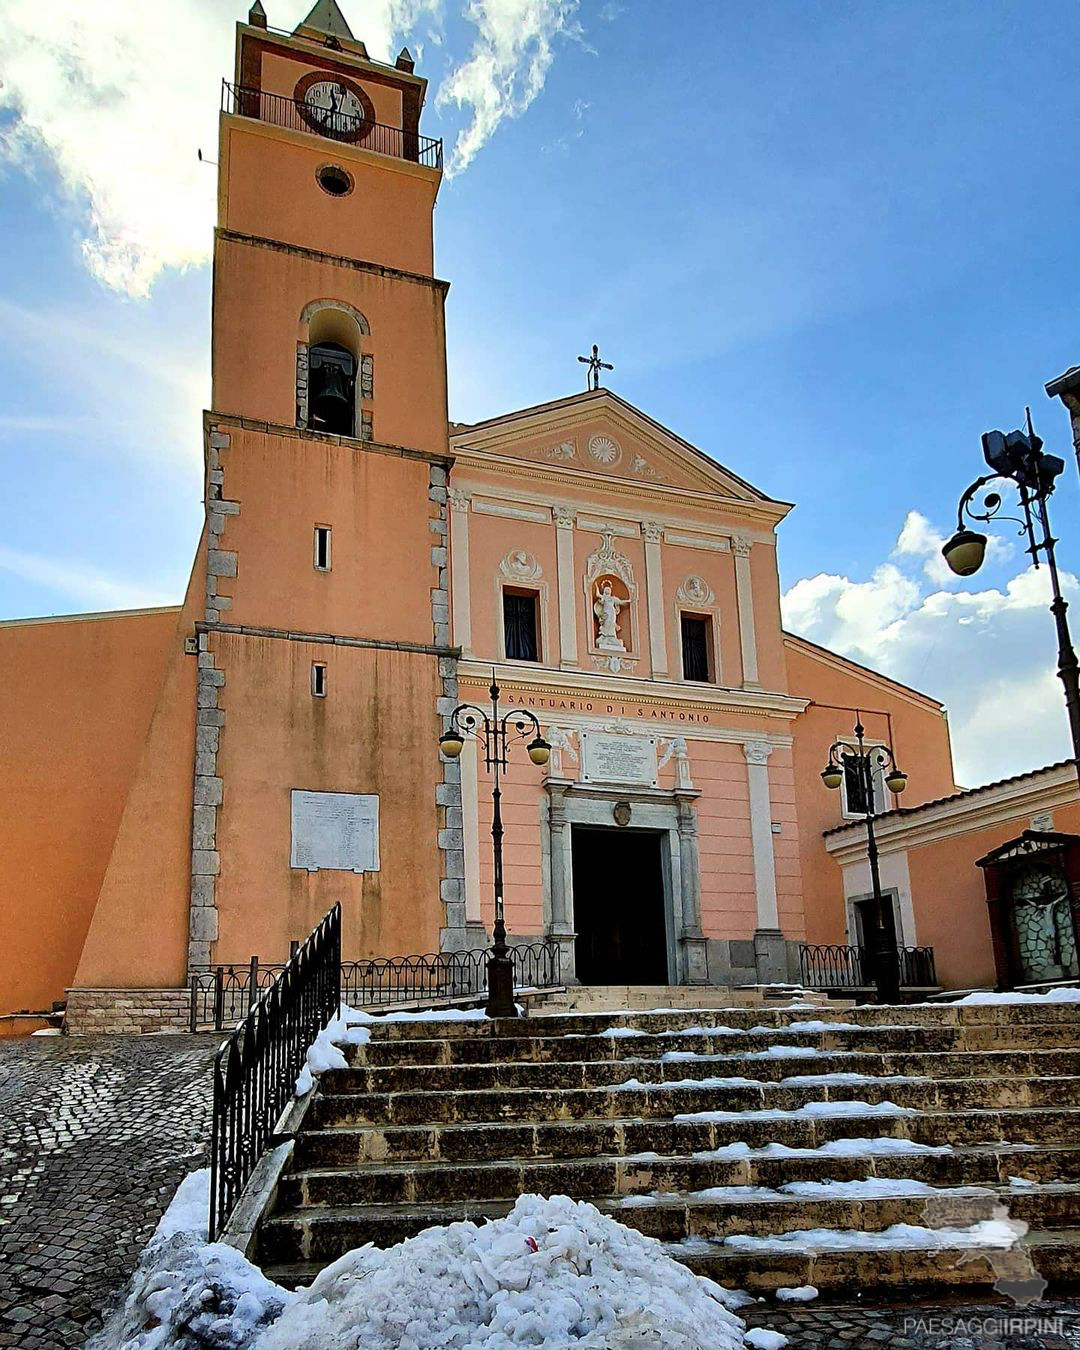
(606, 450)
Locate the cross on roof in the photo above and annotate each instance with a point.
(592, 380)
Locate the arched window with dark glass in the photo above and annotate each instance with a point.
(332, 389)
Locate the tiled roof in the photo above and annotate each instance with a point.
(902, 812)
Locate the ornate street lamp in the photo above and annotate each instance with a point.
(495, 733)
(1017, 456)
(859, 765)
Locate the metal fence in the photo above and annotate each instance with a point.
(833, 966)
(221, 995)
(280, 111)
(256, 1068)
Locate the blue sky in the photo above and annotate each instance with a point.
(828, 243)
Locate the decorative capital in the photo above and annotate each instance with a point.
(564, 517)
(757, 752)
(459, 501)
(652, 531)
(740, 545)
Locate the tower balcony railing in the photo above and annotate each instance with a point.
(279, 111)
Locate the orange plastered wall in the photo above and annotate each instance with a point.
(915, 727)
(377, 508)
(259, 294)
(769, 638)
(717, 570)
(376, 731)
(491, 538)
(75, 703)
(728, 898)
(523, 886)
(949, 897)
(139, 932)
(386, 218)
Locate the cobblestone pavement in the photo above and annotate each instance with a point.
(1051, 1325)
(95, 1134)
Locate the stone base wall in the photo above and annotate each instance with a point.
(93, 1012)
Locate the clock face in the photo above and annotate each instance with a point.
(334, 107)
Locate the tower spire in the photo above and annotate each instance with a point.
(327, 18)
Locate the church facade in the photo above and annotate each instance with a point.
(199, 784)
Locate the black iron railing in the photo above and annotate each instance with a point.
(293, 113)
(256, 1068)
(221, 995)
(435, 975)
(833, 966)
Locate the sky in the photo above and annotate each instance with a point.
(828, 243)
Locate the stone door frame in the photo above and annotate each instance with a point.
(669, 813)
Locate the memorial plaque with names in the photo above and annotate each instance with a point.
(335, 831)
(613, 758)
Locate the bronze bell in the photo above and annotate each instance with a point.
(332, 385)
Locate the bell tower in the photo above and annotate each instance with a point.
(323, 635)
(326, 313)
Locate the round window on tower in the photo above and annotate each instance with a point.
(332, 178)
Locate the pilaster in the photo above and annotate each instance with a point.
(652, 533)
(564, 555)
(744, 599)
(460, 579)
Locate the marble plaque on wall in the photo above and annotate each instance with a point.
(613, 758)
(335, 831)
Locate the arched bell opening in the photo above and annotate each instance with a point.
(331, 389)
(329, 366)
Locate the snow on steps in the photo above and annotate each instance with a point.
(436, 1121)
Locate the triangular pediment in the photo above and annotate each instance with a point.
(599, 434)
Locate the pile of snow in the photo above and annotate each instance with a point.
(1062, 995)
(834, 1148)
(812, 1110)
(553, 1273)
(991, 1233)
(802, 1293)
(615, 1032)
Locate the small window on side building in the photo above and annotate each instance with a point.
(697, 647)
(322, 548)
(521, 626)
(318, 680)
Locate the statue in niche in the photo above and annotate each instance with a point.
(606, 608)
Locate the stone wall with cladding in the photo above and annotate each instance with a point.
(126, 1011)
(209, 718)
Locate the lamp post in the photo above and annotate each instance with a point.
(494, 733)
(1018, 457)
(859, 764)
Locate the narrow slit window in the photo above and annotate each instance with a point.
(322, 548)
(521, 626)
(696, 645)
(318, 679)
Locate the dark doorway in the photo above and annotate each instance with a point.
(876, 928)
(619, 907)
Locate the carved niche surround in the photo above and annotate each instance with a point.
(607, 562)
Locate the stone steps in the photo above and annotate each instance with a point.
(326, 1233)
(850, 1271)
(428, 1182)
(568, 1074)
(439, 1121)
(526, 1104)
(352, 1146)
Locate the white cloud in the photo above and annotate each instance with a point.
(506, 68)
(919, 539)
(87, 586)
(989, 655)
(118, 98)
